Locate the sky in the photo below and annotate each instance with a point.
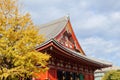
(96, 23)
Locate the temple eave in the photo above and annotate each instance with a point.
(56, 46)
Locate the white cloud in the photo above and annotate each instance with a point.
(94, 22)
(115, 15)
(101, 48)
(106, 26)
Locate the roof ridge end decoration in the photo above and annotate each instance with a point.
(67, 17)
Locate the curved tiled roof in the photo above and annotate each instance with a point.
(101, 63)
(53, 28)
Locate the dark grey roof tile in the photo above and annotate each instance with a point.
(53, 28)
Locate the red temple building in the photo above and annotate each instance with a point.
(68, 60)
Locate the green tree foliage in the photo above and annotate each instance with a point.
(112, 75)
(18, 40)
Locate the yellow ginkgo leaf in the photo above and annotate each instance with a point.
(18, 40)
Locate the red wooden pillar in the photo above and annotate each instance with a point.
(86, 77)
(52, 74)
(91, 76)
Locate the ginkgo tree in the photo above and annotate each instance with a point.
(18, 40)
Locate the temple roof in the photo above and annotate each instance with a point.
(53, 28)
(89, 60)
